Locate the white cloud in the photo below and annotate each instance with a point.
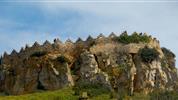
(158, 19)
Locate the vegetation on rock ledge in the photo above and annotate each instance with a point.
(149, 54)
(63, 59)
(134, 38)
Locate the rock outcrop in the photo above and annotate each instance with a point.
(34, 74)
(89, 71)
(123, 64)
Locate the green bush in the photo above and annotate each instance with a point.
(76, 68)
(63, 59)
(163, 95)
(134, 38)
(92, 89)
(38, 54)
(149, 54)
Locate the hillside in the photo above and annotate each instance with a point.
(120, 66)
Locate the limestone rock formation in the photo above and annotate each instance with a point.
(124, 64)
(35, 74)
(89, 71)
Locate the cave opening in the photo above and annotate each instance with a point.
(40, 86)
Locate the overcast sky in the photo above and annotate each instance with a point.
(24, 22)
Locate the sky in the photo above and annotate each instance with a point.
(26, 21)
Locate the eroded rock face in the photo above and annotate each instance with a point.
(36, 74)
(116, 66)
(89, 71)
(129, 73)
(149, 76)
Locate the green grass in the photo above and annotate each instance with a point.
(102, 97)
(93, 90)
(68, 94)
(63, 94)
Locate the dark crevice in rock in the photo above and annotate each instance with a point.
(134, 59)
(40, 86)
(96, 58)
(1, 61)
(134, 81)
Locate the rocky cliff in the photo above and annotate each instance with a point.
(123, 64)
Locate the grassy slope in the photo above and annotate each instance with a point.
(68, 94)
(63, 94)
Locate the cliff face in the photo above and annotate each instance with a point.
(124, 64)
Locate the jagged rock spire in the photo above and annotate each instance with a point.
(57, 41)
(5, 54)
(154, 39)
(150, 36)
(101, 36)
(68, 41)
(145, 34)
(135, 33)
(46, 43)
(27, 46)
(14, 52)
(89, 38)
(79, 40)
(112, 35)
(141, 34)
(22, 49)
(124, 33)
(36, 44)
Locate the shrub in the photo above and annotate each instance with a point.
(149, 54)
(163, 95)
(63, 59)
(38, 54)
(124, 38)
(75, 69)
(117, 71)
(93, 89)
(134, 38)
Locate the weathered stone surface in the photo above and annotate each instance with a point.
(103, 60)
(36, 74)
(89, 71)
